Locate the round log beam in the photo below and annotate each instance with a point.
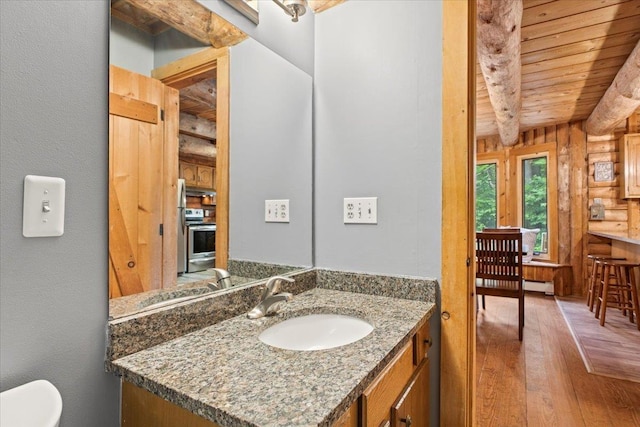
(499, 24)
(620, 100)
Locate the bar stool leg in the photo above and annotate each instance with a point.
(594, 286)
(634, 295)
(592, 279)
(601, 308)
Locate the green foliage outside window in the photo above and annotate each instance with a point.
(534, 200)
(486, 196)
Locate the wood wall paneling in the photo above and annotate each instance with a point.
(576, 153)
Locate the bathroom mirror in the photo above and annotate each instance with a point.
(270, 158)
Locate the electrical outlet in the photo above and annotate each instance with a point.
(361, 210)
(276, 210)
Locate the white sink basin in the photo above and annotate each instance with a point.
(316, 332)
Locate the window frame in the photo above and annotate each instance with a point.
(516, 158)
(497, 157)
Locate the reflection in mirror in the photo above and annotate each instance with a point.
(170, 125)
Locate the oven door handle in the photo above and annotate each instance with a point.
(202, 227)
(201, 260)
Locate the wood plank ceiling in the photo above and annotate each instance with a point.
(571, 50)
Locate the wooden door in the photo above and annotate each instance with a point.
(143, 170)
(412, 408)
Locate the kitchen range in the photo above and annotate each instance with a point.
(196, 238)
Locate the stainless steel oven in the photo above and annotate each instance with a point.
(201, 242)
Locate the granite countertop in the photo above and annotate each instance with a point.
(189, 285)
(225, 374)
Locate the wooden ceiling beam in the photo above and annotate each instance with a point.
(322, 5)
(620, 100)
(197, 127)
(499, 27)
(193, 19)
(196, 146)
(203, 92)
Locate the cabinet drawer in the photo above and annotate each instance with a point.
(379, 396)
(421, 343)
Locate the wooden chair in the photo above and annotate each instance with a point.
(499, 268)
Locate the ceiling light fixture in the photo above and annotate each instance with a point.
(293, 8)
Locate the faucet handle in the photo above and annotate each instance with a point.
(273, 285)
(223, 278)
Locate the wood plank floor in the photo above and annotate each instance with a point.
(612, 350)
(542, 381)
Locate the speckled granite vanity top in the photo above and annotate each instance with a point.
(225, 374)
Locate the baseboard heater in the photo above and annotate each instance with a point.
(546, 287)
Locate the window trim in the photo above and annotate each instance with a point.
(497, 157)
(516, 157)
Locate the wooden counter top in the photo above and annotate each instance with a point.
(614, 237)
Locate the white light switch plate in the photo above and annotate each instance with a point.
(360, 210)
(43, 206)
(276, 210)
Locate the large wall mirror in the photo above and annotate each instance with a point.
(199, 139)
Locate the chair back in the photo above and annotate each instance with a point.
(498, 255)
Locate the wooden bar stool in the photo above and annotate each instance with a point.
(595, 277)
(620, 293)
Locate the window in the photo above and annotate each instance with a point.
(490, 190)
(533, 195)
(535, 213)
(486, 195)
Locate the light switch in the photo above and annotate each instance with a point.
(43, 206)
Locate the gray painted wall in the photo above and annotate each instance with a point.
(53, 121)
(171, 45)
(130, 48)
(377, 102)
(270, 156)
(377, 112)
(292, 41)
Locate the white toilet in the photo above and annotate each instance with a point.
(35, 404)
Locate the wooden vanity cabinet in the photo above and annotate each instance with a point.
(630, 162)
(198, 176)
(141, 408)
(401, 392)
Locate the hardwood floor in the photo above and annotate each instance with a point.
(542, 380)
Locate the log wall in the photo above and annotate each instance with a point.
(576, 153)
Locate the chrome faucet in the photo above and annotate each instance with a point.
(272, 299)
(223, 279)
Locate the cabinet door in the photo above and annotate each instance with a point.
(630, 151)
(385, 389)
(412, 408)
(205, 177)
(190, 174)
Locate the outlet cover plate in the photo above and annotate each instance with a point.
(360, 210)
(276, 210)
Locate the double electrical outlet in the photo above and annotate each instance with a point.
(357, 210)
(276, 210)
(360, 210)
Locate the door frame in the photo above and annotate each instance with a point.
(457, 366)
(183, 72)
